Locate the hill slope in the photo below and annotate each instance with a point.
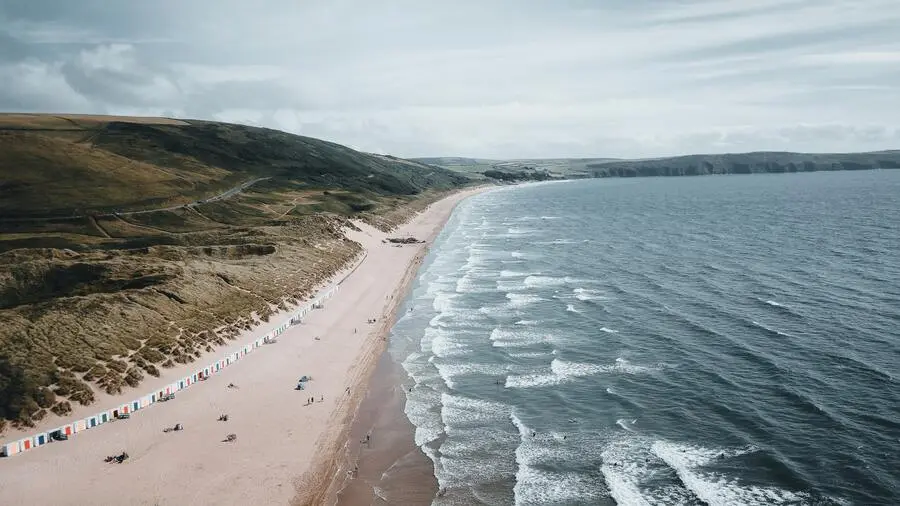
(130, 244)
(745, 163)
(689, 165)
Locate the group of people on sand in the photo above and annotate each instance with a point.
(118, 459)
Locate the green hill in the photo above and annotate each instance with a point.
(125, 242)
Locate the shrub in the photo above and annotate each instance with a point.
(61, 408)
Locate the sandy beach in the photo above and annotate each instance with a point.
(287, 451)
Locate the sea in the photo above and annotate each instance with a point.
(718, 340)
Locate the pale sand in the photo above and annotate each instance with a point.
(285, 452)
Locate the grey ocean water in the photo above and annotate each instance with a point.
(712, 340)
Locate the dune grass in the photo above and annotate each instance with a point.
(95, 298)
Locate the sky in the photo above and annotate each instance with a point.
(476, 78)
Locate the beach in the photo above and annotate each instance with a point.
(287, 450)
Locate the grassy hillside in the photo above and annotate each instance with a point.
(130, 244)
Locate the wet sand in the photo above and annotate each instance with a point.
(389, 468)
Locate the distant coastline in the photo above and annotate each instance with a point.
(688, 165)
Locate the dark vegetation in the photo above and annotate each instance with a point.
(130, 246)
(517, 176)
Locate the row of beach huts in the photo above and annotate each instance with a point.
(125, 410)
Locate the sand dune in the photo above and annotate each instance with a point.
(285, 450)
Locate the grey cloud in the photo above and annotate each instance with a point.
(510, 78)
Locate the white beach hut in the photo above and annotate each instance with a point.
(10, 449)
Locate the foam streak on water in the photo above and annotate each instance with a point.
(695, 341)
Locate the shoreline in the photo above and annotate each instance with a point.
(280, 438)
(389, 468)
(329, 475)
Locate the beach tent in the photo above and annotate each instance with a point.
(10, 449)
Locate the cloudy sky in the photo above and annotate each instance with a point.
(481, 78)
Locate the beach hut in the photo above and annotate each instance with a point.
(145, 401)
(68, 429)
(91, 422)
(80, 426)
(105, 416)
(10, 449)
(181, 384)
(41, 439)
(27, 443)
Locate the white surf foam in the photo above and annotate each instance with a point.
(513, 274)
(623, 475)
(532, 380)
(443, 301)
(587, 294)
(608, 330)
(461, 411)
(518, 232)
(627, 424)
(521, 299)
(527, 354)
(449, 344)
(562, 371)
(514, 337)
(449, 371)
(556, 242)
(536, 485)
(535, 281)
(570, 308)
(469, 284)
(713, 488)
